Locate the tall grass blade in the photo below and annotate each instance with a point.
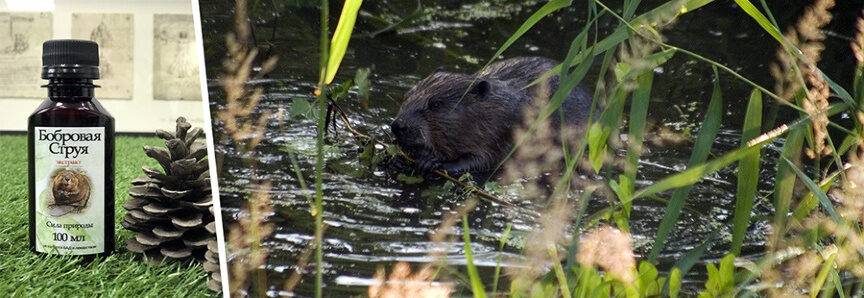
(838, 284)
(473, 274)
(538, 15)
(689, 260)
(768, 12)
(757, 15)
(704, 141)
(503, 241)
(622, 33)
(823, 198)
(695, 174)
(598, 132)
(584, 199)
(748, 172)
(630, 8)
(841, 92)
(692, 257)
(784, 184)
(649, 18)
(809, 202)
(772, 30)
(683, 8)
(341, 37)
(638, 115)
(819, 282)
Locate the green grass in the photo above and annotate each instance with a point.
(124, 274)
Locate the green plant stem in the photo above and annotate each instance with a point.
(318, 208)
(473, 274)
(559, 272)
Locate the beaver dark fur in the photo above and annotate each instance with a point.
(443, 130)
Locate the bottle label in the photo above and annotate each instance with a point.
(70, 190)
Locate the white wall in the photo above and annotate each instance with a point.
(140, 114)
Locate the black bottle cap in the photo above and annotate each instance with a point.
(70, 58)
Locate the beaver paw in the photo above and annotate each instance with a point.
(428, 164)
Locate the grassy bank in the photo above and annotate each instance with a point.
(122, 275)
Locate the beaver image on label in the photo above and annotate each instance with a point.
(70, 191)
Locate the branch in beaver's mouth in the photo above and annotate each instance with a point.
(423, 158)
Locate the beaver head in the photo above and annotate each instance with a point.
(70, 187)
(448, 116)
(66, 182)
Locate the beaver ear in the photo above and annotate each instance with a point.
(481, 88)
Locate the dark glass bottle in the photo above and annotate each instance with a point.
(71, 155)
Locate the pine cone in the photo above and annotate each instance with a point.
(211, 262)
(170, 209)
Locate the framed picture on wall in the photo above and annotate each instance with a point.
(175, 62)
(114, 33)
(21, 38)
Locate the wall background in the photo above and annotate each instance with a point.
(140, 114)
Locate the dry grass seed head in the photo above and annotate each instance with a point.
(247, 235)
(858, 41)
(552, 233)
(850, 194)
(807, 36)
(817, 106)
(857, 46)
(538, 153)
(633, 54)
(403, 283)
(443, 233)
(609, 249)
(850, 199)
(810, 26)
(793, 277)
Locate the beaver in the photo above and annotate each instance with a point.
(70, 190)
(462, 123)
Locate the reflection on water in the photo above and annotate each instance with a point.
(374, 220)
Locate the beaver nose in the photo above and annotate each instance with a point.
(406, 136)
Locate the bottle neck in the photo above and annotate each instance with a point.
(66, 90)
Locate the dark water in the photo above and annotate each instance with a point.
(374, 220)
